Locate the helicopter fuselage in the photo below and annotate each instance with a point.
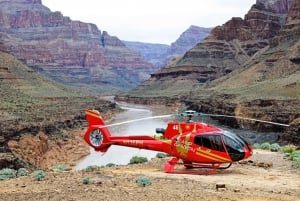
(192, 142)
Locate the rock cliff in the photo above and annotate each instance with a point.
(247, 67)
(153, 53)
(160, 55)
(279, 6)
(229, 46)
(188, 39)
(72, 52)
(31, 104)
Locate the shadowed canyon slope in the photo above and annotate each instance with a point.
(36, 115)
(71, 52)
(246, 67)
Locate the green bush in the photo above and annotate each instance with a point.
(7, 173)
(86, 180)
(275, 147)
(161, 155)
(265, 146)
(295, 155)
(22, 172)
(91, 168)
(143, 181)
(60, 168)
(138, 159)
(110, 165)
(256, 146)
(39, 175)
(287, 149)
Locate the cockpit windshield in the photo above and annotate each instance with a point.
(234, 145)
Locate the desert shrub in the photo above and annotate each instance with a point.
(256, 146)
(295, 155)
(265, 146)
(91, 168)
(138, 159)
(86, 180)
(287, 149)
(7, 173)
(39, 175)
(275, 147)
(60, 168)
(296, 164)
(295, 158)
(143, 181)
(22, 172)
(110, 165)
(161, 155)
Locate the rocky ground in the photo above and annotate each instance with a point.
(242, 181)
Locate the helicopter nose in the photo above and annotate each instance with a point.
(248, 152)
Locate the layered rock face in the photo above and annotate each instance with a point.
(153, 53)
(160, 55)
(188, 39)
(69, 51)
(229, 46)
(247, 68)
(279, 6)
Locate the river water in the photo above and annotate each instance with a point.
(121, 155)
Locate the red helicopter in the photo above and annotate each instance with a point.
(192, 144)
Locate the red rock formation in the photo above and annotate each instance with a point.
(230, 46)
(279, 6)
(69, 51)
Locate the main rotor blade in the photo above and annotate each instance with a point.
(245, 118)
(141, 119)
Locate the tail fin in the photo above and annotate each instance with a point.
(97, 135)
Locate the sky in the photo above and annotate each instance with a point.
(152, 21)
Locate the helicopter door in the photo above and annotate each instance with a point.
(212, 149)
(213, 142)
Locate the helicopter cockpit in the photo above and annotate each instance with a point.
(224, 141)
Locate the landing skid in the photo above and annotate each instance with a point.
(212, 167)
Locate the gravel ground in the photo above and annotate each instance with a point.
(265, 176)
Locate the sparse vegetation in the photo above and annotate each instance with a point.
(275, 147)
(86, 180)
(256, 146)
(161, 155)
(7, 173)
(143, 181)
(110, 165)
(91, 168)
(39, 175)
(22, 172)
(290, 152)
(138, 159)
(60, 168)
(265, 146)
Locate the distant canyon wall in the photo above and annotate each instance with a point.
(71, 52)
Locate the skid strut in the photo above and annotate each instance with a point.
(170, 165)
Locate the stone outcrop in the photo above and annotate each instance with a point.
(279, 6)
(188, 39)
(71, 52)
(152, 53)
(160, 55)
(246, 67)
(227, 48)
(230, 46)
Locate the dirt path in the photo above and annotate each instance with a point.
(242, 182)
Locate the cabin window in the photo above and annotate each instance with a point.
(232, 145)
(210, 141)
